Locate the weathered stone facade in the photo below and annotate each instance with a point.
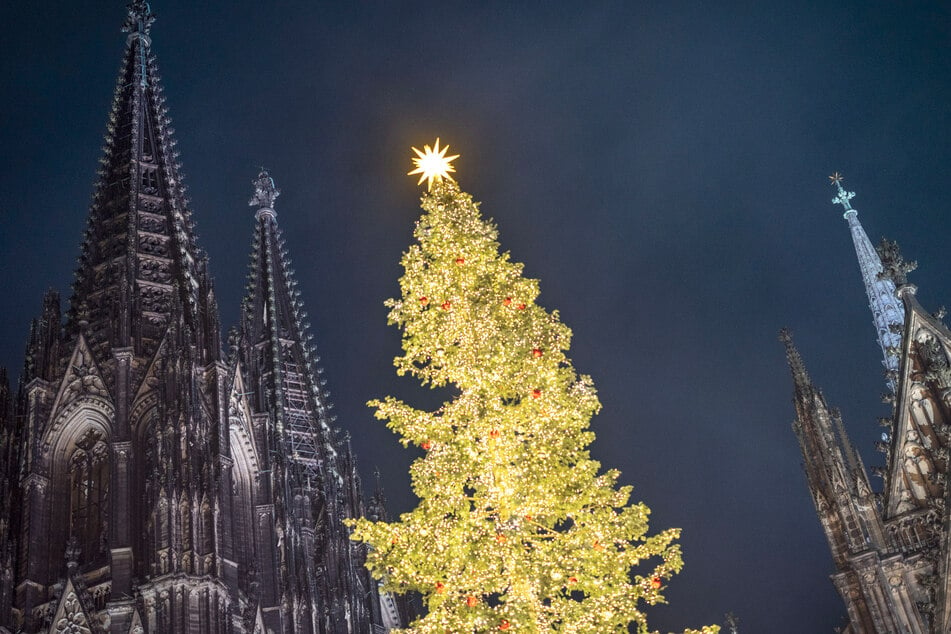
(150, 481)
(891, 549)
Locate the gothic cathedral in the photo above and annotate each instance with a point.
(892, 550)
(150, 480)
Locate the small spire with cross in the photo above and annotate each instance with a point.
(843, 196)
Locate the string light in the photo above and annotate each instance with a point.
(517, 528)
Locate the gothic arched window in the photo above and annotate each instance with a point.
(89, 495)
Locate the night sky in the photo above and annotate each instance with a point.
(661, 167)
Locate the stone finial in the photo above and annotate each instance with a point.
(894, 266)
(139, 19)
(265, 192)
(82, 316)
(73, 552)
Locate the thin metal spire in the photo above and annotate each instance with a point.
(888, 313)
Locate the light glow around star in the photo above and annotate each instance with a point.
(432, 164)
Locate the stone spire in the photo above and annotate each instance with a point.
(9, 496)
(834, 470)
(185, 495)
(888, 314)
(139, 260)
(275, 313)
(312, 471)
(800, 377)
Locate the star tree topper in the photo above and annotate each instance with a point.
(433, 164)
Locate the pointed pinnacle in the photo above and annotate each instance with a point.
(894, 266)
(844, 439)
(796, 366)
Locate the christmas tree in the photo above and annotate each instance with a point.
(516, 530)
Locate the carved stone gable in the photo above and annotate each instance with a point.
(70, 616)
(918, 458)
(150, 378)
(83, 379)
(135, 627)
(259, 623)
(83, 376)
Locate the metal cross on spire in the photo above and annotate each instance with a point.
(844, 197)
(139, 19)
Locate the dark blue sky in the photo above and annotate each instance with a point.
(661, 167)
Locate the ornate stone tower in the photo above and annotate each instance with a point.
(299, 473)
(149, 483)
(891, 549)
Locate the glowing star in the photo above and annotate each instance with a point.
(836, 178)
(433, 164)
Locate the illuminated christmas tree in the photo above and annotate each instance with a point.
(515, 529)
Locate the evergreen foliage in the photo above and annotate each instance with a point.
(516, 530)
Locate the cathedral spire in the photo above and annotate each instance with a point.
(888, 314)
(138, 257)
(796, 366)
(833, 468)
(275, 314)
(311, 470)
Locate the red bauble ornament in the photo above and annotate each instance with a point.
(424, 300)
(507, 301)
(500, 538)
(440, 588)
(494, 433)
(504, 625)
(446, 305)
(536, 352)
(460, 260)
(572, 580)
(536, 393)
(425, 445)
(597, 546)
(472, 601)
(521, 306)
(656, 582)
